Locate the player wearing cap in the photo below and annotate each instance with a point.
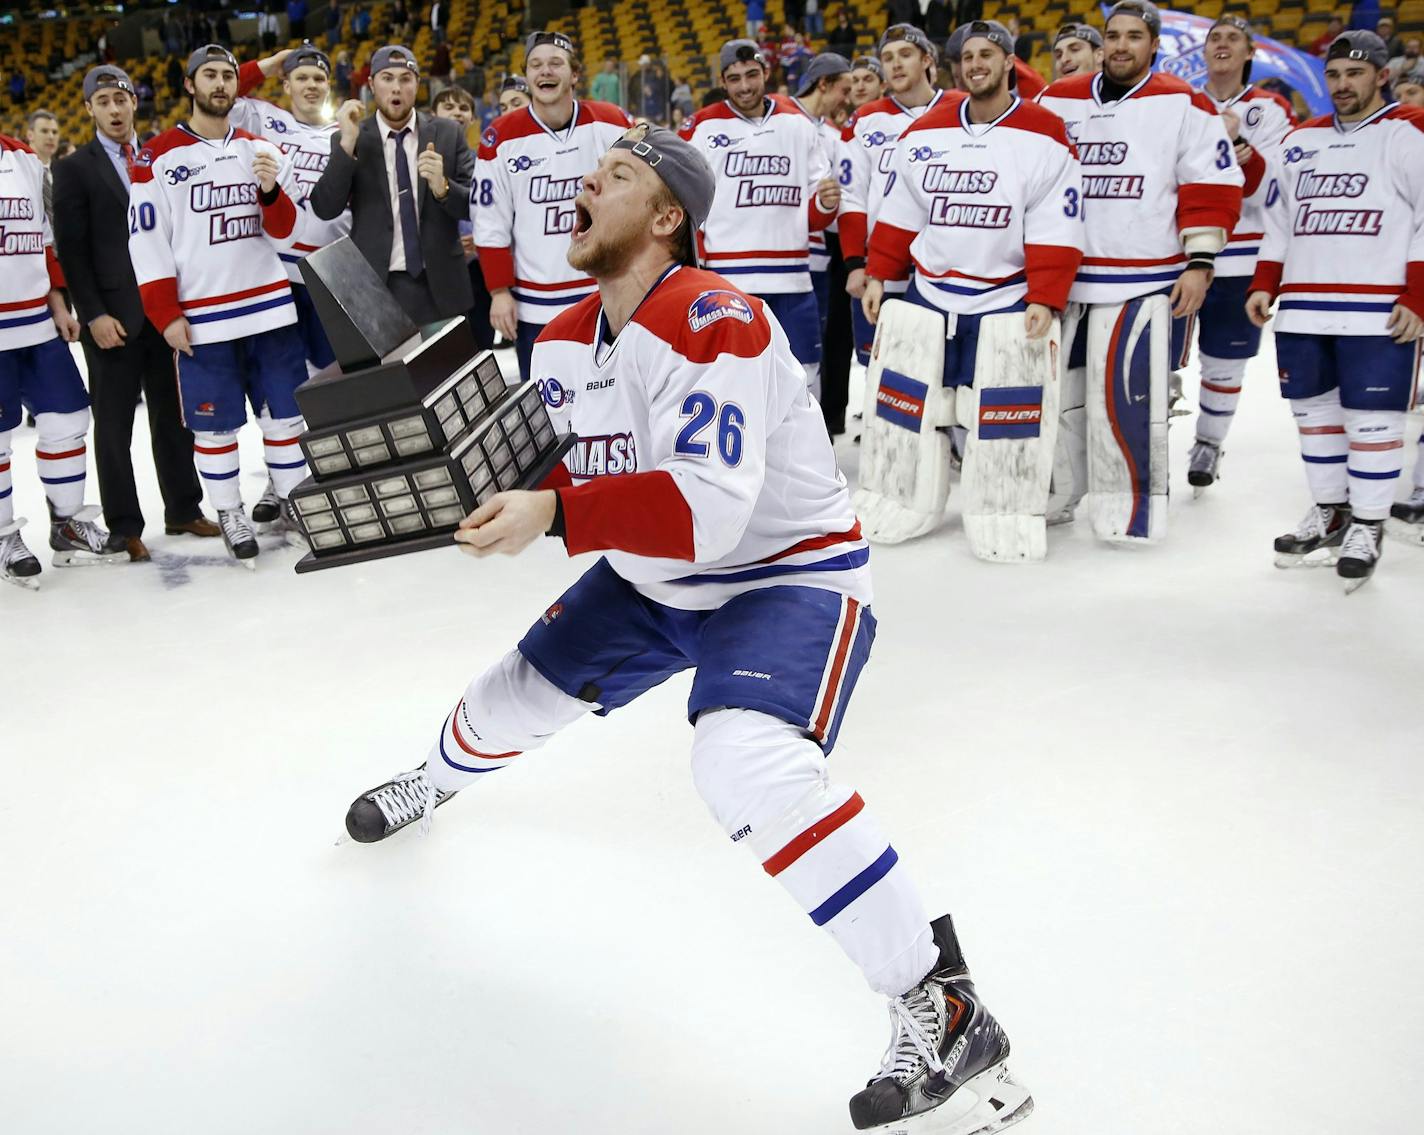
(1077, 49)
(867, 81)
(773, 190)
(910, 62)
(824, 96)
(530, 164)
(513, 93)
(1161, 194)
(1027, 82)
(1344, 251)
(1256, 121)
(704, 475)
(204, 201)
(37, 372)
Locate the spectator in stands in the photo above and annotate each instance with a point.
(489, 109)
(1410, 93)
(18, 87)
(173, 77)
(867, 81)
(361, 22)
(145, 96)
(457, 104)
(1323, 41)
(756, 13)
(513, 93)
(967, 11)
(42, 136)
(814, 22)
(439, 17)
(341, 75)
(440, 68)
(794, 57)
(333, 25)
(297, 18)
(904, 12)
(606, 86)
(266, 25)
(681, 98)
(1407, 64)
(939, 22)
(648, 91)
(844, 35)
(793, 12)
(471, 78)
(1393, 45)
(361, 83)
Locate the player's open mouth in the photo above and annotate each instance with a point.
(547, 85)
(583, 221)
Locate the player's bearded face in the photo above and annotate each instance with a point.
(984, 67)
(612, 215)
(746, 86)
(213, 87)
(1353, 85)
(394, 89)
(1128, 48)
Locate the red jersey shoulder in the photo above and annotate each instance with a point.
(1160, 83)
(701, 316)
(577, 324)
(1411, 114)
(519, 123)
(1320, 121)
(605, 112)
(1037, 119)
(787, 105)
(239, 132)
(1073, 87)
(885, 105)
(8, 143)
(717, 112)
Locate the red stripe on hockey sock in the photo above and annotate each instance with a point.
(1215, 389)
(823, 718)
(213, 452)
(5, 468)
(283, 441)
(1375, 446)
(59, 456)
(1312, 430)
(455, 731)
(814, 835)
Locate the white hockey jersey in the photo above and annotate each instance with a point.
(758, 233)
(1154, 163)
(1266, 118)
(868, 142)
(820, 258)
(199, 239)
(307, 149)
(526, 179)
(989, 213)
(28, 270)
(1345, 242)
(702, 467)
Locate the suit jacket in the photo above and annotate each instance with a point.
(359, 182)
(91, 238)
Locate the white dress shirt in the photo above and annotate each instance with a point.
(397, 263)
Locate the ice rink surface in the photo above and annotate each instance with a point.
(1173, 796)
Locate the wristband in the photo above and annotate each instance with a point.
(1202, 260)
(556, 526)
(854, 262)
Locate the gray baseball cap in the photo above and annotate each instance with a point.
(1086, 32)
(557, 39)
(740, 51)
(1359, 44)
(991, 30)
(1144, 10)
(209, 53)
(308, 55)
(868, 63)
(827, 65)
(682, 168)
(910, 34)
(393, 55)
(106, 75)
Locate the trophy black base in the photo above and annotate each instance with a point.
(442, 539)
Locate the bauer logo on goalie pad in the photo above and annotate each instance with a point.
(709, 307)
(1010, 412)
(901, 400)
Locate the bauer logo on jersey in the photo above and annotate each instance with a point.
(1010, 412)
(710, 307)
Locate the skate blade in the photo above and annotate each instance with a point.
(28, 582)
(87, 559)
(1197, 491)
(1405, 532)
(1291, 560)
(989, 1102)
(294, 539)
(1353, 585)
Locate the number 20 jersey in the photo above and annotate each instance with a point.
(522, 202)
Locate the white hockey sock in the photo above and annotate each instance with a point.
(282, 453)
(7, 499)
(215, 455)
(508, 710)
(1220, 392)
(60, 455)
(1323, 446)
(766, 784)
(1376, 460)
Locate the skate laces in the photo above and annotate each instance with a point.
(1316, 523)
(914, 1042)
(408, 795)
(1361, 542)
(82, 525)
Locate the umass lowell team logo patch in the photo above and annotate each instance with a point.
(709, 307)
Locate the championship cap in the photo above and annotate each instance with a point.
(514, 83)
(1144, 10)
(868, 63)
(1086, 32)
(827, 65)
(105, 75)
(554, 39)
(910, 34)
(308, 55)
(209, 53)
(740, 51)
(394, 55)
(991, 30)
(682, 168)
(1361, 45)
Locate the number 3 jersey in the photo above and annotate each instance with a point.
(199, 237)
(522, 202)
(1155, 163)
(702, 467)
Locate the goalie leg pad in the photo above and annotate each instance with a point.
(1070, 452)
(1128, 385)
(1012, 413)
(904, 453)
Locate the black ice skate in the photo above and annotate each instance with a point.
(946, 1069)
(398, 803)
(17, 563)
(1317, 538)
(238, 535)
(77, 541)
(1360, 553)
(1406, 519)
(268, 507)
(1203, 465)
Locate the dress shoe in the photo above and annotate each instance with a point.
(200, 527)
(135, 548)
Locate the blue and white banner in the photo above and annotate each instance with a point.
(1183, 55)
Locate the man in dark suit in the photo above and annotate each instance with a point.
(126, 354)
(406, 178)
